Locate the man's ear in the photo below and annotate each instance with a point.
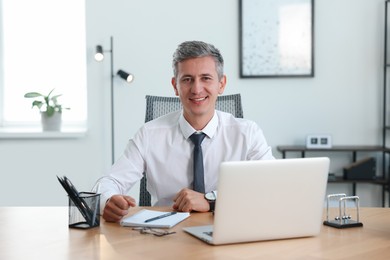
(222, 85)
(174, 85)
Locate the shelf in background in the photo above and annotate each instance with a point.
(338, 179)
(336, 148)
(382, 180)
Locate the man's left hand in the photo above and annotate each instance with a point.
(188, 200)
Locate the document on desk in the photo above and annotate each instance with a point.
(155, 219)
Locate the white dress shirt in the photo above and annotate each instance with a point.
(162, 149)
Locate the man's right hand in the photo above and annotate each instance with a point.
(117, 207)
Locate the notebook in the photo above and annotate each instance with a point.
(267, 200)
(157, 219)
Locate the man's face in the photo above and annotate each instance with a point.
(198, 87)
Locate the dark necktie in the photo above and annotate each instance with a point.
(198, 162)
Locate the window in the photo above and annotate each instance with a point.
(43, 47)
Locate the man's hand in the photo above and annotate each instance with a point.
(188, 200)
(117, 207)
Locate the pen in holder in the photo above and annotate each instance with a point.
(84, 207)
(85, 214)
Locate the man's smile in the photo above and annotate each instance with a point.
(198, 99)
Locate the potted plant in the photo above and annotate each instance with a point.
(51, 110)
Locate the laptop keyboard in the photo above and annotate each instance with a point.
(209, 233)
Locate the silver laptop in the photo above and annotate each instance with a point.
(267, 200)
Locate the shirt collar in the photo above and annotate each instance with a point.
(188, 130)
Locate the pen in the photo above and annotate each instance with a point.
(161, 216)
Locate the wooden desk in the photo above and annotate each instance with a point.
(43, 233)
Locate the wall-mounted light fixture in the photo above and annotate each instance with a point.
(126, 76)
(99, 56)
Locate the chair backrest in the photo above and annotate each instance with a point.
(157, 106)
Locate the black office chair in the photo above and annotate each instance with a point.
(157, 106)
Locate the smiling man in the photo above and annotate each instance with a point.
(163, 148)
(198, 85)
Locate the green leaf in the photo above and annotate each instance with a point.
(37, 104)
(50, 93)
(56, 96)
(33, 95)
(54, 99)
(50, 111)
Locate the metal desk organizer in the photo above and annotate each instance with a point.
(84, 207)
(343, 219)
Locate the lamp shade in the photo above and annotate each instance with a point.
(126, 76)
(99, 56)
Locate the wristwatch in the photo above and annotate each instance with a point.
(211, 198)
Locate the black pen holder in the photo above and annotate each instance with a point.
(84, 210)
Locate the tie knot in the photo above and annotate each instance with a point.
(197, 138)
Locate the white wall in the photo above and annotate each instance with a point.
(343, 99)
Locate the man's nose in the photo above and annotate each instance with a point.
(197, 86)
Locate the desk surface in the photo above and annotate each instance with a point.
(43, 233)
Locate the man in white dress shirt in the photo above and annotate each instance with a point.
(163, 150)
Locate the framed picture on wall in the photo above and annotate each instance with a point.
(276, 38)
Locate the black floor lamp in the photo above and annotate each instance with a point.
(99, 56)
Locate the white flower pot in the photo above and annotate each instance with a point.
(51, 123)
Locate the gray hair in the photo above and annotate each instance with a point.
(197, 49)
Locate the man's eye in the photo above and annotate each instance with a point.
(186, 79)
